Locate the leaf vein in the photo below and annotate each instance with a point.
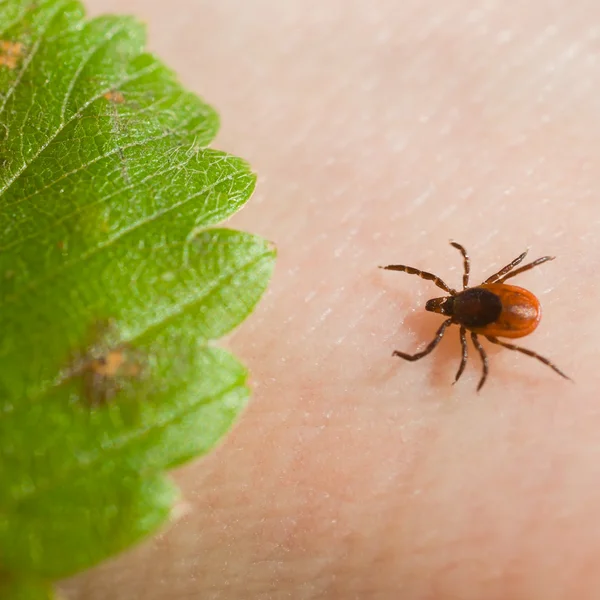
(105, 39)
(105, 156)
(53, 136)
(121, 444)
(29, 58)
(104, 245)
(184, 307)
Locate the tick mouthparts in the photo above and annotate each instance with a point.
(442, 306)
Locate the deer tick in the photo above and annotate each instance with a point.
(493, 309)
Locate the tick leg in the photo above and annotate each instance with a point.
(524, 268)
(436, 340)
(422, 275)
(484, 360)
(529, 353)
(463, 360)
(506, 269)
(467, 263)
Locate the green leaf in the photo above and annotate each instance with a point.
(24, 589)
(112, 286)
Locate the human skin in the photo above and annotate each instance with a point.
(380, 130)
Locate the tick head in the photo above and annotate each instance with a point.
(442, 306)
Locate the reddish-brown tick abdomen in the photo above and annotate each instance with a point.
(519, 315)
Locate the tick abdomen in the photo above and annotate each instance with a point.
(498, 310)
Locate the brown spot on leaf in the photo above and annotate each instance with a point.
(105, 375)
(103, 370)
(115, 97)
(10, 53)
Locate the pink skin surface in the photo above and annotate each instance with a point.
(379, 131)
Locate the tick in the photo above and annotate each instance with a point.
(493, 309)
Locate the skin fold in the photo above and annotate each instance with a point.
(380, 130)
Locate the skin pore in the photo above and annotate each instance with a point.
(379, 131)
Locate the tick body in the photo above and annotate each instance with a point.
(493, 309)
